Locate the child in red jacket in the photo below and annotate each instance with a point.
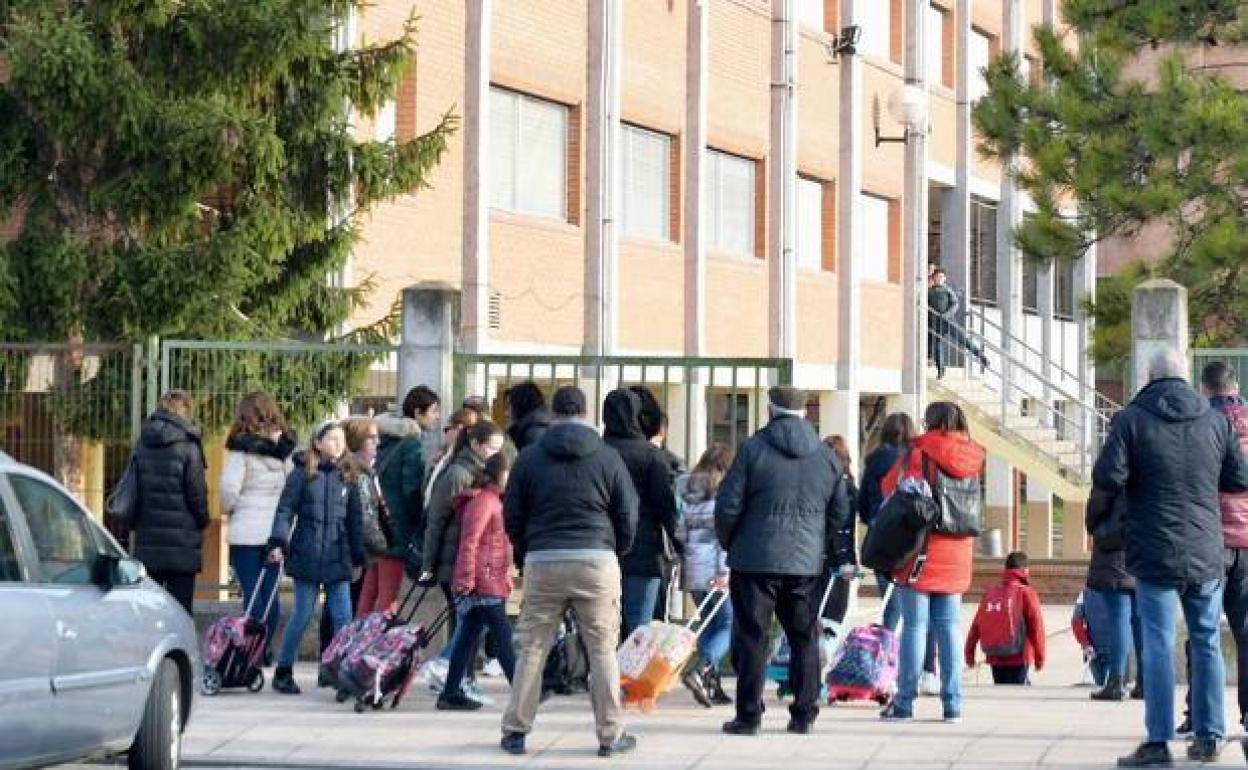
(1009, 626)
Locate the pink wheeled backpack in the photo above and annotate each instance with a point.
(233, 647)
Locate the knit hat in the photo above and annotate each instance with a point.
(788, 399)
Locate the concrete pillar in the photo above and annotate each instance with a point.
(475, 130)
(999, 499)
(1158, 322)
(427, 346)
(850, 238)
(697, 89)
(602, 236)
(1009, 216)
(93, 478)
(782, 219)
(687, 420)
(1074, 535)
(839, 414)
(955, 250)
(914, 254)
(1039, 520)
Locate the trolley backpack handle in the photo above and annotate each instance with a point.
(697, 614)
(399, 616)
(255, 591)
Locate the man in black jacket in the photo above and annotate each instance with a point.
(778, 514)
(571, 512)
(173, 498)
(656, 544)
(1172, 453)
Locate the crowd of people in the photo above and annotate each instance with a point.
(596, 521)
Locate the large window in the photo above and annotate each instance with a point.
(810, 13)
(67, 552)
(983, 252)
(936, 45)
(877, 28)
(528, 154)
(730, 203)
(980, 55)
(646, 162)
(809, 224)
(877, 236)
(1064, 289)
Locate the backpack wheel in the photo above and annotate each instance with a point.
(341, 696)
(210, 682)
(257, 682)
(360, 707)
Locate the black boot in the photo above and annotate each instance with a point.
(694, 680)
(284, 681)
(1114, 690)
(714, 684)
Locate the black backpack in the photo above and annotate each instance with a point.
(900, 530)
(567, 664)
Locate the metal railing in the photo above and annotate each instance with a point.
(1021, 391)
(728, 394)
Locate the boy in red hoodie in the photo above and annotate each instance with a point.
(1009, 626)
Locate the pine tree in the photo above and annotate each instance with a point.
(183, 168)
(1127, 153)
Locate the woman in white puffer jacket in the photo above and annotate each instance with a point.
(257, 463)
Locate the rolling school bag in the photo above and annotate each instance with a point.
(384, 671)
(865, 667)
(353, 639)
(831, 634)
(653, 656)
(233, 647)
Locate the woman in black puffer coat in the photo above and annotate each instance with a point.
(318, 533)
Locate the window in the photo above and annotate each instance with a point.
(877, 240)
(528, 154)
(10, 568)
(935, 45)
(1031, 286)
(646, 163)
(980, 55)
(809, 224)
(384, 123)
(1064, 290)
(876, 20)
(63, 542)
(730, 203)
(983, 252)
(730, 418)
(810, 14)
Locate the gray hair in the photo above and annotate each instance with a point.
(1165, 364)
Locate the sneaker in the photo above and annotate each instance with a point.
(1204, 750)
(284, 682)
(1148, 755)
(800, 728)
(474, 691)
(929, 684)
(892, 713)
(512, 743)
(1185, 727)
(434, 674)
(953, 718)
(622, 745)
(694, 682)
(456, 702)
(740, 727)
(492, 668)
(714, 685)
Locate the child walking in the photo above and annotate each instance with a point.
(317, 533)
(482, 581)
(1009, 626)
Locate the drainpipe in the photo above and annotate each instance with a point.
(782, 227)
(602, 134)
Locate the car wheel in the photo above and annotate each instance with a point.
(158, 746)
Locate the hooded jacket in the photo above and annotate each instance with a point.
(1033, 621)
(173, 495)
(319, 524)
(442, 518)
(949, 558)
(1172, 454)
(1104, 520)
(1234, 505)
(657, 542)
(570, 492)
(483, 563)
(529, 429)
(784, 504)
(875, 468)
(251, 484)
(400, 469)
(704, 559)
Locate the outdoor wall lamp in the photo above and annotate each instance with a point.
(908, 106)
(846, 43)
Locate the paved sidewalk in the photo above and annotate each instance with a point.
(1052, 724)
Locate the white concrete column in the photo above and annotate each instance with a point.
(999, 510)
(1074, 533)
(1158, 322)
(602, 238)
(848, 216)
(839, 414)
(475, 130)
(1009, 215)
(427, 346)
(1039, 520)
(914, 254)
(957, 219)
(1045, 283)
(782, 223)
(696, 93)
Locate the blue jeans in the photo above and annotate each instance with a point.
(939, 612)
(716, 638)
(1202, 609)
(892, 611)
(477, 613)
(637, 601)
(337, 604)
(248, 563)
(1121, 634)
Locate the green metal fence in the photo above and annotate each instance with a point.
(1237, 358)
(705, 399)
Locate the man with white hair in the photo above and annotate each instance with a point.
(1171, 454)
(781, 513)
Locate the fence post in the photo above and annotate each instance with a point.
(152, 360)
(427, 345)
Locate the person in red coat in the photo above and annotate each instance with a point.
(932, 584)
(1017, 612)
(482, 581)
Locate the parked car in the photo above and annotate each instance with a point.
(95, 658)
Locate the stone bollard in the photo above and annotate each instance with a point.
(1158, 322)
